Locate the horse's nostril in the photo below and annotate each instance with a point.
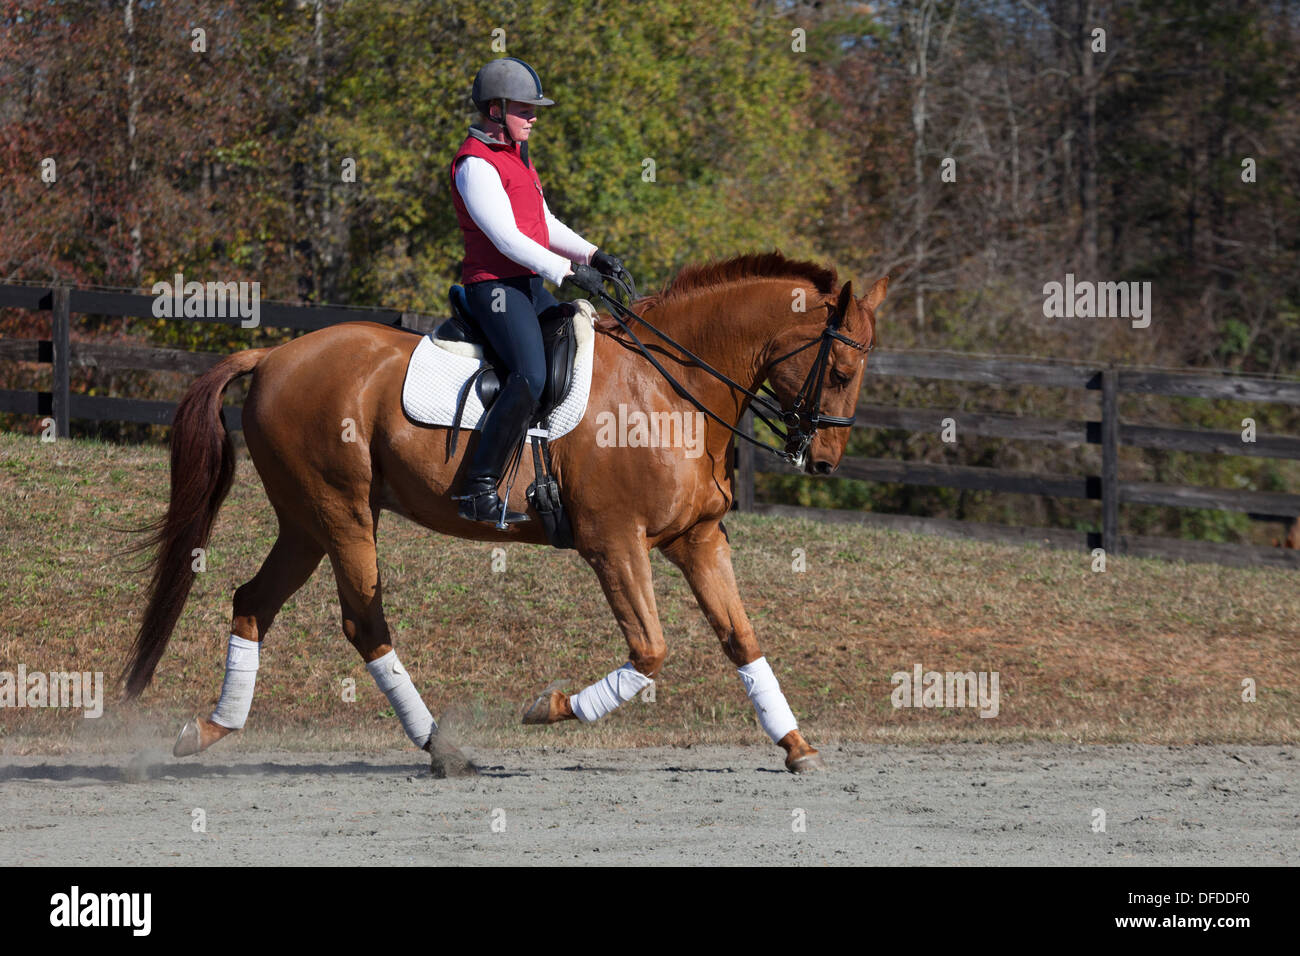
(823, 467)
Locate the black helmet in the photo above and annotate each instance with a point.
(508, 78)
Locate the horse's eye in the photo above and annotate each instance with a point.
(838, 378)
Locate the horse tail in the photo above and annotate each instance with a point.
(203, 467)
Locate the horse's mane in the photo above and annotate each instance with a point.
(711, 275)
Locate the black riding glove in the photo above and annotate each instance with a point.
(587, 279)
(606, 264)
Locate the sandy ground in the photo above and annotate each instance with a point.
(1030, 804)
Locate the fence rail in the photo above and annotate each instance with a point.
(62, 302)
(1108, 431)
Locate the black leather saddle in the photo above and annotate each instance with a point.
(558, 340)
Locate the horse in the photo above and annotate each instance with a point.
(752, 317)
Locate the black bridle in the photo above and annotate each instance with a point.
(798, 424)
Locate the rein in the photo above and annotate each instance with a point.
(807, 405)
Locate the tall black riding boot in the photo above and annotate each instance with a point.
(500, 430)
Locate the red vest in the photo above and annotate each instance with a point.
(482, 259)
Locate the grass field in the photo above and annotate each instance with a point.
(1149, 651)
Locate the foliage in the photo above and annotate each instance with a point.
(819, 128)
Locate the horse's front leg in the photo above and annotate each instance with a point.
(625, 576)
(704, 557)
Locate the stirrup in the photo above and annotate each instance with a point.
(488, 506)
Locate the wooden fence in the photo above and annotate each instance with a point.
(61, 405)
(1108, 431)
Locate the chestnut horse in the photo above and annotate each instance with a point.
(744, 316)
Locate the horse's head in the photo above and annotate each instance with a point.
(816, 369)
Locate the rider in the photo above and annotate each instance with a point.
(512, 242)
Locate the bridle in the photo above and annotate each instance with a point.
(807, 409)
(799, 423)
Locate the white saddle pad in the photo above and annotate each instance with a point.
(439, 373)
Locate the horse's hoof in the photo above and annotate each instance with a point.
(447, 761)
(808, 763)
(548, 708)
(540, 710)
(187, 741)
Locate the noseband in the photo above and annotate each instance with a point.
(797, 425)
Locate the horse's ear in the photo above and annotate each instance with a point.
(844, 307)
(877, 293)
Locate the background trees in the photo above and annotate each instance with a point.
(686, 130)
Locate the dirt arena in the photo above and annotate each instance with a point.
(1026, 804)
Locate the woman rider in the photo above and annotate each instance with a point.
(512, 242)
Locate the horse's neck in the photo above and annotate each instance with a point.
(728, 328)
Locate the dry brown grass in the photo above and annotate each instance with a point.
(1149, 651)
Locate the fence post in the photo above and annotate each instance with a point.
(743, 488)
(62, 344)
(1110, 461)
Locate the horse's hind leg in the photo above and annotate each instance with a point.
(356, 569)
(290, 563)
(704, 557)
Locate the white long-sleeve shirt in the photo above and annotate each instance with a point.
(486, 201)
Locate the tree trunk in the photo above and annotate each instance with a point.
(1088, 137)
(133, 168)
(920, 22)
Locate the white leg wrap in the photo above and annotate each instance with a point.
(393, 680)
(237, 689)
(774, 714)
(617, 688)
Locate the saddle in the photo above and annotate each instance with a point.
(462, 335)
